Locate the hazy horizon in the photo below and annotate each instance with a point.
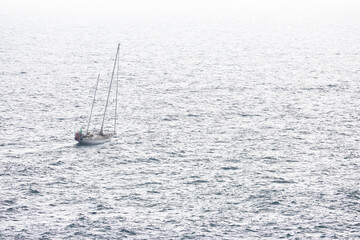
(177, 8)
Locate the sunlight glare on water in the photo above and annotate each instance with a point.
(230, 126)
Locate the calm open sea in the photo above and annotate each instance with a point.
(228, 128)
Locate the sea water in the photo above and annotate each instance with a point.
(227, 128)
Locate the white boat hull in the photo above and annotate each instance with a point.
(92, 139)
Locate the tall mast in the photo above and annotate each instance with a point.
(117, 84)
(107, 100)
(92, 106)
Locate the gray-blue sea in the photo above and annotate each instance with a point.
(229, 127)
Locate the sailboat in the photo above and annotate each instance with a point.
(101, 136)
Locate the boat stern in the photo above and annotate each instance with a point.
(78, 136)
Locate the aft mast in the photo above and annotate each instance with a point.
(107, 100)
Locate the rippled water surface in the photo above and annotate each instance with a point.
(228, 128)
